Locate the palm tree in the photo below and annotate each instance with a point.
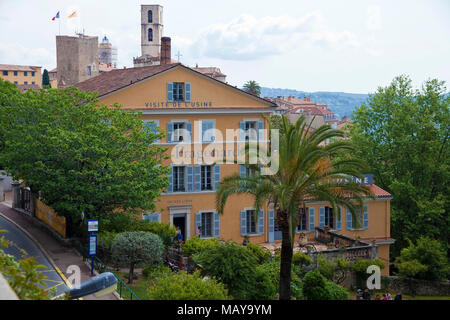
(308, 171)
(252, 87)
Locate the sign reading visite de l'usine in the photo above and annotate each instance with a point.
(181, 104)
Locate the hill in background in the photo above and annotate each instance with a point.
(339, 102)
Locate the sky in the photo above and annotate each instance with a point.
(323, 45)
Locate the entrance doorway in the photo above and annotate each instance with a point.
(179, 220)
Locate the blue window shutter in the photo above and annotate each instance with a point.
(271, 225)
(169, 131)
(216, 225)
(197, 178)
(243, 223)
(261, 222)
(189, 130)
(190, 179)
(242, 170)
(169, 92)
(187, 89)
(311, 219)
(366, 217)
(198, 221)
(349, 220)
(204, 129)
(339, 219)
(170, 177)
(242, 131)
(322, 217)
(260, 128)
(216, 176)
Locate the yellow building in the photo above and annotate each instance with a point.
(21, 75)
(187, 104)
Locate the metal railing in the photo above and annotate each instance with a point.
(122, 289)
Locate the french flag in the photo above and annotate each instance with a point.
(56, 17)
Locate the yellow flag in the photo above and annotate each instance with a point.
(73, 15)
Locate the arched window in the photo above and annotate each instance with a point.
(150, 16)
(150, 34)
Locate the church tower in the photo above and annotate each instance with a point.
(151, 29)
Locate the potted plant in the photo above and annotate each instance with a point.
(326, 228)
(246, 240)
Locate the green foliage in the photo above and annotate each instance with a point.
(252, 87)
(317, 287)
(314, 286)
(81, 156)
(117, 222)
(403, 134)
(164, 230)
(153, 272)
(184, 286)
(195, 245)
(333, 269)
(24, 276)
(105, 240)
(301, 259)
(359, 267)
(137, 248)
(45, 79)
(427, 259)
(261, 254)
(336, 292)
(231, 264)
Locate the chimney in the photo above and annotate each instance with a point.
(166, 55)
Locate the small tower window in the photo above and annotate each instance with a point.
(150, 16)
(150, 34)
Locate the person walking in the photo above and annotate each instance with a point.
(366, 294)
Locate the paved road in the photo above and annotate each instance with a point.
(22, 241)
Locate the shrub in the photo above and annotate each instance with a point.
(196, 244)
(116, 222)
(184, 286)
(336, 292)
(105, 240)
(164, 230)
(272, 268)
(262, 287)
(427, 259)
(359, 267)
(314, 286)
(333, 269)
(231, 264)
(261, 254)
(136, 248)
(301, 259)
(152, 271)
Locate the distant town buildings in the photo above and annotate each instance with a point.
(24, 77)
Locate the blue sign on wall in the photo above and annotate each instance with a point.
(367, 179)
(92, 245)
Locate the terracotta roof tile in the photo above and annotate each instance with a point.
(380, 193)
(120, 78)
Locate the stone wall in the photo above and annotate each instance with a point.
(415, 287)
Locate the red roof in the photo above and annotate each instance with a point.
(120, 78)
(380, 193)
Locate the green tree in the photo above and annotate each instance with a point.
(307, 170)
(45, 79)
(252, 87)
(137, 248)
(79, 155)
(184, 286)
(427, 259)
(403, 134)
(24, 276)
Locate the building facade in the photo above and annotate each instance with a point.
(22, 75)
(186, 105)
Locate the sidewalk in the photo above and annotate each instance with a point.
(62, 257)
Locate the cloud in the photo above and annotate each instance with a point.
(250, 38)
(14, 53)
(373, 21)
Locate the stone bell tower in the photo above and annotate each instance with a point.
(151, 29)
